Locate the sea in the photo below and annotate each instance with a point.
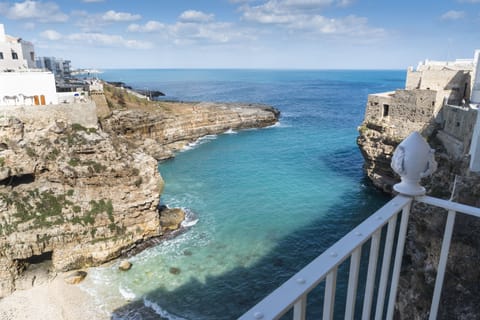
(261, 203)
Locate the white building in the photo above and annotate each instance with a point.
(15, 53)
(27, 88)
(61, 68)
(20, 82)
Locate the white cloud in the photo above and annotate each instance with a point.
(34, 10)
(196, 16)
(114, 16)
(188, 32)
(303, 15)
(51, 35)
(107, 40)
(453, 15)
(150, 26)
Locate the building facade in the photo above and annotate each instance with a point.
(59, 67)
(15, 53)
(27, 88)
(438, 95)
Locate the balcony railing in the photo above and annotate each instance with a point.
(380, 232)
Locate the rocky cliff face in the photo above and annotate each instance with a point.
(81, 196)
(166, 129)
(425, 230)
(72, 193)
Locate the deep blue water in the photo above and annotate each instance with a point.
(267, 201)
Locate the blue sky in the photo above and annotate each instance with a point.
(286, 34)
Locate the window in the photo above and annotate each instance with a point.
(32, 55)
(1, 55)
(14, 55)
(385, 110)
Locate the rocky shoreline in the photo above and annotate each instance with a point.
(79, 196)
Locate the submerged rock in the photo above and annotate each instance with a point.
(174, 270)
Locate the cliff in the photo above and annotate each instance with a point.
(168, 128)
(425, 230)
(74, 196)
(389, 118)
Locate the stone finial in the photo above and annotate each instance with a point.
(412, 160)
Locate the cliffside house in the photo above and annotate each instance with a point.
(438, 95)
(15, 53)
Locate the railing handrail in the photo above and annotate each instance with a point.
(450, 205)
(277, 303)
(294, 290)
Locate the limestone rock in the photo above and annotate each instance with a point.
(161, 132)
(76, 192)
(125, 265)
(170, 219)
(75, 277)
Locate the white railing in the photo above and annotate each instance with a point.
(381, 231)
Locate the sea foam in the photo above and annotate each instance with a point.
(158, 310)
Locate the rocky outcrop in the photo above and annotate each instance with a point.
(72, 194)
(77, 196)
(163, 131)
(377, 146)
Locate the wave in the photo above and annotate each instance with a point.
(127, 294)
(230, 131)
(190, 218)
(199, 141)
(158, 310)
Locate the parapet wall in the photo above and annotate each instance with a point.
(458, 124)
(81, 113)
(451, 84)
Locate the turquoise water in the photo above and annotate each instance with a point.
(265, 202)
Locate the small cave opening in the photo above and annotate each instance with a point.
(36, 259)
(35, 270)
(15, 181)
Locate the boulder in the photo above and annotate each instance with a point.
(170, 219)
(75, 277)
(125, 265)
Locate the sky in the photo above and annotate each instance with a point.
(278, 34)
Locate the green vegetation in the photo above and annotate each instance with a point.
(30, 152)
(96, 167)
(53, 155)
(74, 162)
(78, 127)
(2, 161)
(46, 209)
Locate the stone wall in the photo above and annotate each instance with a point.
(84, 114)
(452, 84)
(402, 111)
(457, 127)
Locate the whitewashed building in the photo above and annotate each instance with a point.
(27, 88)
(20, 82)
(15, 53)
